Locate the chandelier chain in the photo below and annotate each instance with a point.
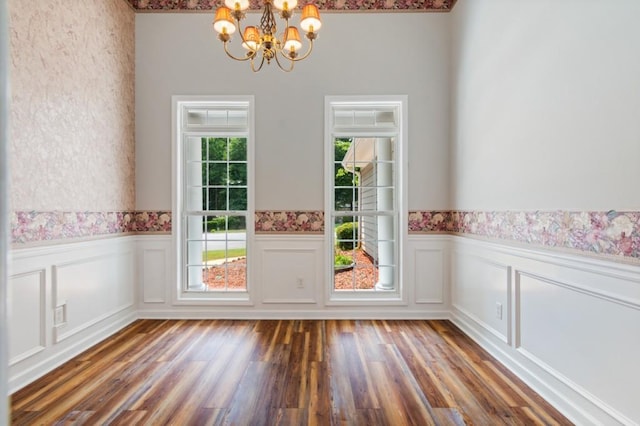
(268, 21)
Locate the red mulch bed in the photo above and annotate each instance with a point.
(363, 276)
(236, 271)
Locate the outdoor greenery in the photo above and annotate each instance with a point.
(342, 260)
(223, 254)
(347, 235)
(224, 178)
(215, 224)
(344, 197)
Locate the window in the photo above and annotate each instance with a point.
(213, 202)
(365, 196)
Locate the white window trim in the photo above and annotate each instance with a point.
(397, 296)
(179, 295)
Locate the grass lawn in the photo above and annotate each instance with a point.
(221, 254)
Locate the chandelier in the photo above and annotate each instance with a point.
(262, 43)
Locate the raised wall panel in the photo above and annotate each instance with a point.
(288, 275)
(27, 316)
(154, 275)
(429, 275)
(480, 285)
(589, 340)
(92, 289)
(155, 265)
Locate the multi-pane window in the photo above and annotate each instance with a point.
(214, 143)
(364, 199)
(364, 215)
(216, 213)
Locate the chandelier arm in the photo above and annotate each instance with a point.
(285, 32)
(299, 58)
(280, 65)
(253, 68)
(229, 54)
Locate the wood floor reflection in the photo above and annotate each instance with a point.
(288, 372)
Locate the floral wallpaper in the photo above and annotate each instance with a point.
(32, 227)
(609, 233)
(72, 113)
(605, 233)
(335, 5)
(309, 222)
(431, 221)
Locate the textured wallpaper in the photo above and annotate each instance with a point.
(72, 117)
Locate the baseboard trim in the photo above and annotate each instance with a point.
(293, 314)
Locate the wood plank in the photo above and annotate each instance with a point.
(319, 411)
(215, 372)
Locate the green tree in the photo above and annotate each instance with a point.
(347, 196)
(237, 174)
(224, 173)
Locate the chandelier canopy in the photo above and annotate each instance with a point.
(263, 43)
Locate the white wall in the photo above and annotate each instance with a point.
(546, 100)
(179, 54)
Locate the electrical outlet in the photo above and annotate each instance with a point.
(300, 283)
(499, 310)
(60, 315)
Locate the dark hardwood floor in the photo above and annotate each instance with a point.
(283, 372)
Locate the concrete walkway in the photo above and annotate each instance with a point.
(219, 262)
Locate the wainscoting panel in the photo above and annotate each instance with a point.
(288, 278)
(155, 269)
(90, 289)
(154, 264)
(27, 322)
(568, 331)
(574, 332)
(154, 275)
(429, 275)
(288, 270)
(65, 298)
(426, 271)
(482, 292)
(288, 275)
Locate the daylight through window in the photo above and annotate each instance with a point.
(215, 197)
(364, 184)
